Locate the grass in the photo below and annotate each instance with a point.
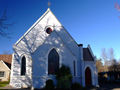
(2, 84)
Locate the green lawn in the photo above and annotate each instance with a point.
(2, 84)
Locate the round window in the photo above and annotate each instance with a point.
(48, 30)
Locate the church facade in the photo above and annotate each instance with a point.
(43, 49)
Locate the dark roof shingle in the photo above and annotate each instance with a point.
(87, 55)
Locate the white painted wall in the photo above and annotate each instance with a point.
(40, 59)
(4, 68)
(35, 44)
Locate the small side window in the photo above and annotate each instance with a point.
(2, 74)
(74, 68)
(23, 66)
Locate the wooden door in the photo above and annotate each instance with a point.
(88, 80)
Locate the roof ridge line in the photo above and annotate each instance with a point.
(5, 64)
(32, 26)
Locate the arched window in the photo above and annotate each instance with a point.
(74, 67)
(23, 66)
(53, 62)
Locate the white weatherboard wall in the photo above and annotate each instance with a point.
(36, 44)
(4, 68)
(40, 59)
(34, 38)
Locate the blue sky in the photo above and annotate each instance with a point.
(93, 22)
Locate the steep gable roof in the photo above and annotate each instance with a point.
(47, 19)
(48, 10)
(33, 26)
(7, 59)
(87, 55)
(5, 64)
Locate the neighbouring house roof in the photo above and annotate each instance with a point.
(5, 64)
(7, 59)
(87, 55)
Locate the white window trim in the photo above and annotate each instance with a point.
(23, 55)
(4, 73)
(92, 74)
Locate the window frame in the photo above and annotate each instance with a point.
(3, 73)
(52, 61)
(74, 67)
(23, 56)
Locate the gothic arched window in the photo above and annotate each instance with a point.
(23, 66)
(53, 62)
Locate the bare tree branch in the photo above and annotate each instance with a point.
(105, 58)
(5, 24)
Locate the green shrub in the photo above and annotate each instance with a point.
(49, 85)
(64, 77)
(76, 86)
(64, 83)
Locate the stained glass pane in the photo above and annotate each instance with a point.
(53, 62)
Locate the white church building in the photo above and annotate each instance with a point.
(47, 45)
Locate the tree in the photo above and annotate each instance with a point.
(110, 63)
(114, 65)
(111, 54)
(5, 24)
(119, 65)
(99, 65)
(105, 58)
(117, 6)
(6, 52)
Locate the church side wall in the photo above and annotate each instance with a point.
(78, 77)
(16, 78)
(40, 60)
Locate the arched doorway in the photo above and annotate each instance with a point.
(88, 79)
